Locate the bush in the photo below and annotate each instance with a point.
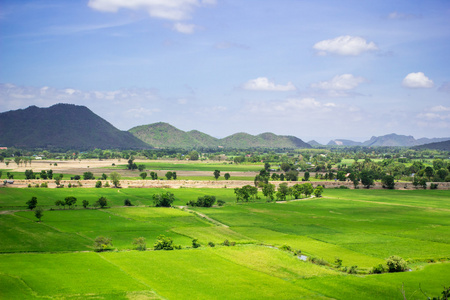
(195, 243)
(85, 203)
(98, 184)
(164, 243)
(44, 185)
(352, 270)
(127, 202)
(226, 243)
(211, 244)
(102, 243)
(205, 201)
(396, 264)
(433, 186)
(163, 199)
(140, 244)
(379, 269)
(286, 248)
(318, 261)
(102, 202)
(220, 202)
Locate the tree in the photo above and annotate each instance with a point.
(195, 243)
(318, 191)
(292, 175)
(227, 176)
(88, 176)
(29, 174)
(268, 190)
(297, 190)
(267, 166)
(206, 201)
(102, 243)
(193, 155)
(17, 160)
(174, 175)
(32, 203)
(85, 203)
(141, 168)
(282, 191)
(340, 176)
(308, 189)
(102, 202)
(143, 175)
(216, 174)
(58, 179)
(127, 202)
(60, 203)
(140, 244)
(164, 199)
(429, 172)
(306, 176)
(163, 243)
(154, 175)
(39, 213)
(396, 264)
(98, 184)
(115, 178)
(70, 201)
(285, 167)
(367, 180)
(43, 174)
(169, 175)
(104, 176)
(388, 182)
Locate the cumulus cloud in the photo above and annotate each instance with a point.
(264, 84)
(174, 10)
(184, 28)
(344, 45)
(417, 80)
(340, 82)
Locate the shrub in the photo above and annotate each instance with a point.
(163, 199)
(106, 184)
(102, 243)
(195, 243)
(140, 244)
(396, 264)
(226, 243)
(211, 244)
(338, 262)
(32, 203)
(102, 202)
(318, 261)
(286, 248)
(352, 270)
(379, 269)
(127, 202)
(163, 243)
(44, 185)
(220, 202)
(98, 184)
(85, 203)
(433, 186)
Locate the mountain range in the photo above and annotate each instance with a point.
(389, 140)
(163, 135)
(68, 126)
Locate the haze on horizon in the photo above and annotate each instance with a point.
(317, 70)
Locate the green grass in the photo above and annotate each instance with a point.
(361, 227)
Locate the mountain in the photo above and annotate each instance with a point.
(314, 143)
(390, 140)
(423, 141)
(342, 142)
(64, 126)
(164, 135)
(444, 146)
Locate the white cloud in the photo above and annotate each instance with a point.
(439, 108)
(174, 10)
(344, 45)
(401, 16)
(340, 82)
(184, 28)
(263, 84)
(417, 80)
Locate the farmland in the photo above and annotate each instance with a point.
(360, 227)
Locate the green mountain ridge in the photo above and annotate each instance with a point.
(164, 135)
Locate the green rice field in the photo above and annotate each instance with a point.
(55, 258)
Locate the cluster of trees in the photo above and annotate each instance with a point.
(205, 201)
(270, 191)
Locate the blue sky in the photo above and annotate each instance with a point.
(313, 69)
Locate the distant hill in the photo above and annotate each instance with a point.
(389, 140)
(444, 146)
(314, 143)
(63, 126)
(163, 135)
(342, 142)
